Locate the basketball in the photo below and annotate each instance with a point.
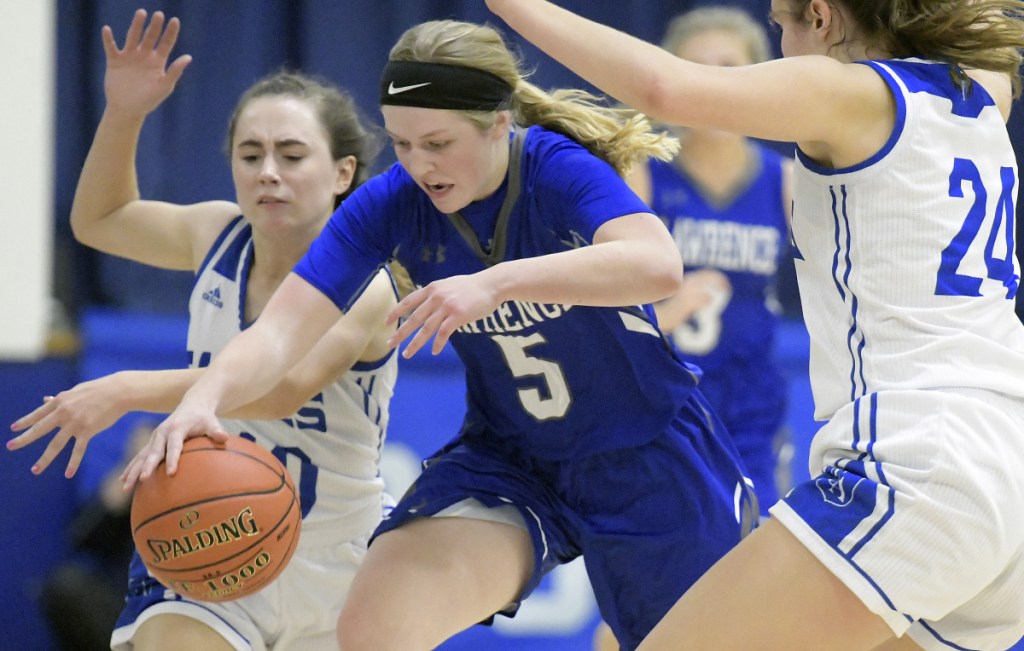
(223, 526)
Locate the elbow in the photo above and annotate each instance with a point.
(83, 234)
(672, 95)
(667, 285)
(658, 100)
(665, 278)
(78, 231)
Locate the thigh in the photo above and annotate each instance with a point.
(604, 639)
(299, 609)
(434, 577)
(150, 608)
(917, 511)
(769, 590)
(905, 643)
(495, 480)
(175, 632)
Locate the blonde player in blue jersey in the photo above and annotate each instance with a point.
(909, 533)
(584, 432)
(296, 147)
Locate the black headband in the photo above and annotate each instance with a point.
(442, 86)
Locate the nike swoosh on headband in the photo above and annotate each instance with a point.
(394, 90)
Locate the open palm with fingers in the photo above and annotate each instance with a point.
(439, 309)
(138, 78)
(81, 413)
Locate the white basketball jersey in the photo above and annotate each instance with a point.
(906, 262)
(332, 445)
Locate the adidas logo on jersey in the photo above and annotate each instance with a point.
(213, 297)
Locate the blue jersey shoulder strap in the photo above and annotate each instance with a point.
(500, 241)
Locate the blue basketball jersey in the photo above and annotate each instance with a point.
(557, 380)
(745, 238)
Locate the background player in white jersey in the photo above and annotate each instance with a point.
(537, 263)
(909, 533)
(296, 147)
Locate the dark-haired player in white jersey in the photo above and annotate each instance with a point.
(296, 147)
(584, 432)
(908, 534)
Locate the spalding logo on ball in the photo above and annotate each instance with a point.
(223, 526)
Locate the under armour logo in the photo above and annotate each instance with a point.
(437, 257)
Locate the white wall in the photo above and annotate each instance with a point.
(27, 32)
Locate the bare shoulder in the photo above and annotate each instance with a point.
(205, 222)
(861, 118)
(998, 85)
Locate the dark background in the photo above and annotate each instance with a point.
(235, 42)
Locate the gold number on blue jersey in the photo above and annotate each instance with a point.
(556, 402)
(949, 281)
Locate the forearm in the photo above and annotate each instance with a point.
(153, 391)
(249, 367)
(671, 312)
(609, 274)
(162, 391)
(108, 180)
(619, 64)
(282, 401)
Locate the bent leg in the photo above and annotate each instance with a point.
(769, 592)
(904, 643)
(429, 579)
(604, 639)
(176, 632)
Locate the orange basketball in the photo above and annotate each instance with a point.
(223, 526)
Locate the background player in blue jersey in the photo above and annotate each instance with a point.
(726, 200)
(909, 533)
(296, 146)
(584, 431)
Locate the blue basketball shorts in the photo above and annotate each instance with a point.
(649, 520)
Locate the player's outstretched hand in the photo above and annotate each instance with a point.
(81, 412)
(138, 78)
(439, 309)
(167, 439)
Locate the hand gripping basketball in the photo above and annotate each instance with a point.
(223, 526)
